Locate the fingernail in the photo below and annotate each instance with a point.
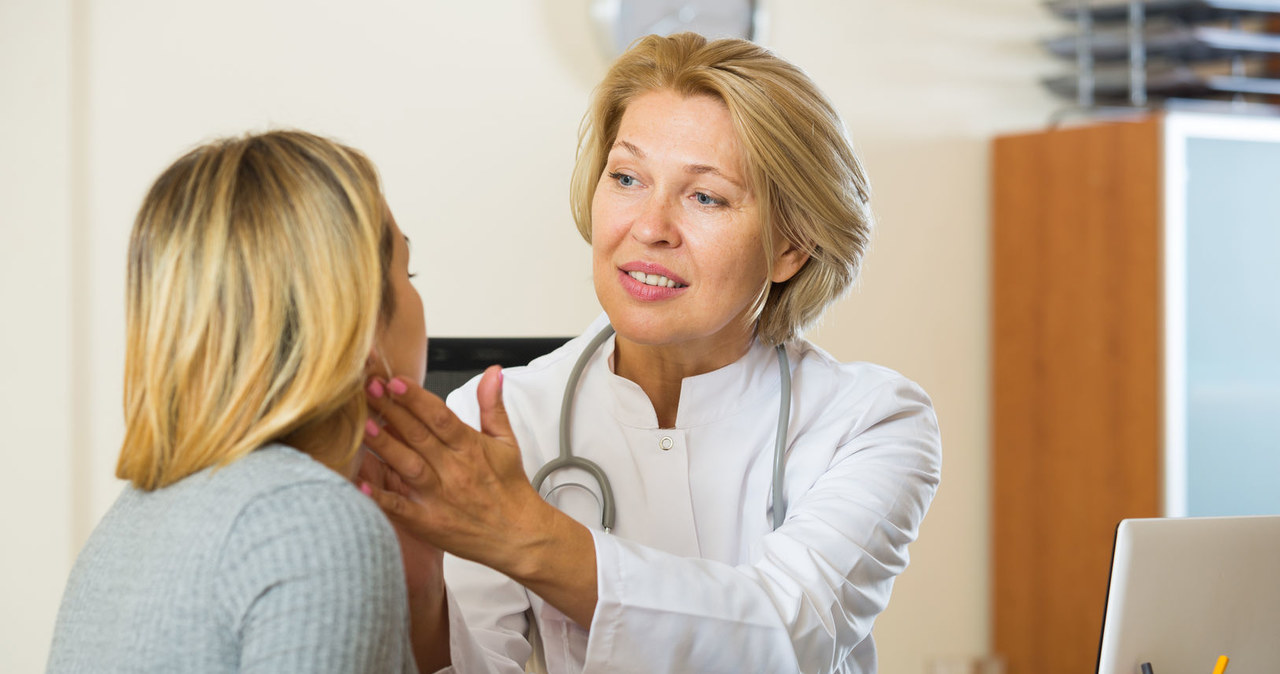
(366, 489)
(375, 389)
(371, 428)
(397, 386)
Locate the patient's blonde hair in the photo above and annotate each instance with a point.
(258, 269)
(809, 184)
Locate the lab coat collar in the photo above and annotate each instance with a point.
(705, 398)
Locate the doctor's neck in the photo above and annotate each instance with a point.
(660, 369)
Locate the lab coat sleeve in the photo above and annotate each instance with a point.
(820, 580)
(497, 644)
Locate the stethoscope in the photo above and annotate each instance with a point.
(605, 500)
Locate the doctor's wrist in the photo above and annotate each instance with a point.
(556, 559)
(528, 539)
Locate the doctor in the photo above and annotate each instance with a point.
(725, 210)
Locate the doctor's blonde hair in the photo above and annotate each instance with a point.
(258, 270)
(804, 174)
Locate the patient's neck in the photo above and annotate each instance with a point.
(326, 440)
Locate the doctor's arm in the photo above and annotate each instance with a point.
(806, 602)
(813, 592)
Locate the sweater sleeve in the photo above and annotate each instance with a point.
(813, 595)
(311, 579)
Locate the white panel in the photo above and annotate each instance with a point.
(1182, 129)
(1175, 318)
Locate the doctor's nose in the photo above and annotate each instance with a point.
(656, 223)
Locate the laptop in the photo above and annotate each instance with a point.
(1184, 591)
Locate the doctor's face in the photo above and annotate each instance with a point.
(675, 234)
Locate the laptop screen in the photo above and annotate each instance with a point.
(1184, 591)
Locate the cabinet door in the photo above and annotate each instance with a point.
(1222, 450)
(1076, 378)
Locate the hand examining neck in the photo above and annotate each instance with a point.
(466, 492)
(659, 370)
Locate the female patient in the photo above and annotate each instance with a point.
(266, 280)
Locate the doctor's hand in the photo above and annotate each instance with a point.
(466, 492)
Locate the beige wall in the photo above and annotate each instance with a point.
(471, 111)
(36, 283)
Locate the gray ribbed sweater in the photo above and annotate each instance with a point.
(271, 564)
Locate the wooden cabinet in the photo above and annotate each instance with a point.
(1136, 277)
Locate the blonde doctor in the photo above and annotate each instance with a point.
(725, 210)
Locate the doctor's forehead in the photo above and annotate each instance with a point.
(695, 132)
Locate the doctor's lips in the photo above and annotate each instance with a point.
(653, 275)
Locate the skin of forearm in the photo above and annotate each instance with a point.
(555, 557)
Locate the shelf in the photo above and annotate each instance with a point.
(1169, 80)
(1165, 37)
(1118, 10)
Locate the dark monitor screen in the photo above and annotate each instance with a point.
(452, 361)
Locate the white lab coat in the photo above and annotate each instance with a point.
(693, 578)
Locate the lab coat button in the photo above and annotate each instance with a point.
(666, 443)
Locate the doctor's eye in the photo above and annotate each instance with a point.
(705, 199)
(623, 179)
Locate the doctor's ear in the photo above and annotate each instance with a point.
(787, 262)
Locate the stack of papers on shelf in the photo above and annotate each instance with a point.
(1170, 80)
(1209, 49)
(1164, 36)
(1119, 9)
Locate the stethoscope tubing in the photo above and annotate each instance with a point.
(780, 442)
(566, 459)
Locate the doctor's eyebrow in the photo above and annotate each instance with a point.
(697, 169)
(629, 147)
(701, 169)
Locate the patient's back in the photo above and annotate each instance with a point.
(273, 564)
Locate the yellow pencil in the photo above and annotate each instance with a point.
(1222, 665)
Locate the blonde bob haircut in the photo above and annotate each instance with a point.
(809, 184)
(258, 272)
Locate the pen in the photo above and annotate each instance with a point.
(1222, 664)
(1146, 668)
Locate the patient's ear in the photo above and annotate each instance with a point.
(375, 365)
